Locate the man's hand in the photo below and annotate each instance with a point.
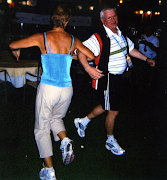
(151, 62)
(94, 72)
(16, 53)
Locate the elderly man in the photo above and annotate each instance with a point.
(113, 52)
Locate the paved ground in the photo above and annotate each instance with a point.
(140, 129)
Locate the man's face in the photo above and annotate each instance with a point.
(110, 19)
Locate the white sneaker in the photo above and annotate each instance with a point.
(67, 151)
(114, 147)
(80, 127)
(46, 174)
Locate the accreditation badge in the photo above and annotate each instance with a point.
(129, 62)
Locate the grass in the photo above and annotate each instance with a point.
(140, 129)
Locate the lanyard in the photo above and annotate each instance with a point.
(119, 43)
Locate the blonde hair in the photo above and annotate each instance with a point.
(61, 15)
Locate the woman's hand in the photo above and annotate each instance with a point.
(94, 72)
(16, 53)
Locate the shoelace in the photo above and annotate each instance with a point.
(111, 143)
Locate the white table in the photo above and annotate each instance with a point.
(16, 71)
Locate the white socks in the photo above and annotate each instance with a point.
(85, 121)
(50, 169)
(110, 137)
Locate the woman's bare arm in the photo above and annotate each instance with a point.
(83, 49)
(84, 54)
(31, 41)
(34, 40)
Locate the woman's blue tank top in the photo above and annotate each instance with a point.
(56, 67)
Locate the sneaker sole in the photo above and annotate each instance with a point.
(77, 126)
(108, 148)
(70, 154)
(44, 178)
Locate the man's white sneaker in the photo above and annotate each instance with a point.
(114, 147)
(46, 174)
(80, 127)
(67, 151)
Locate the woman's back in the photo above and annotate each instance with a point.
(59, 41)
(56, 63)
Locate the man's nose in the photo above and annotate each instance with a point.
(112, 19)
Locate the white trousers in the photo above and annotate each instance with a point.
(51, 106)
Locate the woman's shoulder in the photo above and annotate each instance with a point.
(37, 36)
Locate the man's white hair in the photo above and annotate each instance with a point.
(105, 9)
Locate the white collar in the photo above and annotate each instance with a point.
(110, 33)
